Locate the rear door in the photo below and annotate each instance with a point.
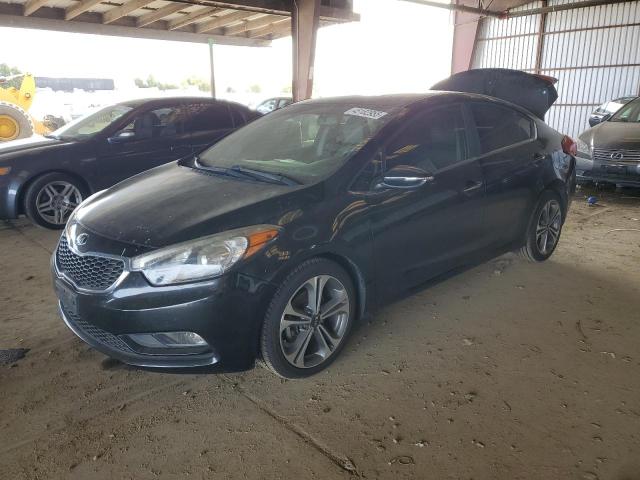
(422, 232)
(151, 138)
(207, 122)
(506, 140)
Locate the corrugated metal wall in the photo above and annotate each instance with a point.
(594, 52)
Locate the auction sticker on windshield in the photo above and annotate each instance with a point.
(365, 112)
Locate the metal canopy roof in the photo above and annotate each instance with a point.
(231, 22)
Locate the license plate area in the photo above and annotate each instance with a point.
(615, 169)
(68, 298)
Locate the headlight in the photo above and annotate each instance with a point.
(204, 258)
(584, 150)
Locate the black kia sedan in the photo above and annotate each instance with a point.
(46, 178)
(273, 242)
(610, 151)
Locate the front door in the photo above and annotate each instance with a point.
(422, 232)
(152, 138)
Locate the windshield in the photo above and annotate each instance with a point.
(89, 125)
(629, 113)
(304, 142)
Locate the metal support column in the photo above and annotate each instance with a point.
(213, 77)
(304, 29)
(465, 31)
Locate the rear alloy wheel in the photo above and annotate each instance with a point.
(51, 199)
(308, 320)
(544, 229)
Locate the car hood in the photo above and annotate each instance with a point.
(175, 203)
(613, 135)
(35, 143)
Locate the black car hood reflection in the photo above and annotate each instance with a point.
(613, 135)
(192, 202)
(32, 143)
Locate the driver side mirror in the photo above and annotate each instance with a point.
(122, 137)
(404, 176)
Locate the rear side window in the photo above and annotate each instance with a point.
(499, 127)
(432, 141)
(238, 117)
(205, 117)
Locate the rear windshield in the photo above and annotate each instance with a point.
(629, 113)
(305, 142)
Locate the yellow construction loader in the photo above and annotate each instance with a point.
(15, 122)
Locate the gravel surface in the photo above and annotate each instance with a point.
(506, 371)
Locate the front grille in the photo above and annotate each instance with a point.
(87, 271)
(629, 157)
(107, 339)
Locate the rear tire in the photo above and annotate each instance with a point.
(308, 320)
(51, 198)
(544, 228)
(15, 123)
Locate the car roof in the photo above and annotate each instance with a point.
(405, 99)
(173, 100)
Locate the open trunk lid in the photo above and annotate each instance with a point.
(536, 93)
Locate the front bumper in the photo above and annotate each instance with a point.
(9, 187)
(588, 170)
(226, 312)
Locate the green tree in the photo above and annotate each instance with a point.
(255, 88)
(7, 71)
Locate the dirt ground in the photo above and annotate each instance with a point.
(506, 371)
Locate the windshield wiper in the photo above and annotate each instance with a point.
(238, 171)
(51, 135)
(265, 176)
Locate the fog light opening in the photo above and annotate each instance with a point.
(167, 343)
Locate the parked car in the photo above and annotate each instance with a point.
(272, 104)
(607, 109)
(274, 241)
(46, 178)
(610, 151)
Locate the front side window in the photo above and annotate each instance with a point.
(430, 142)
(499, 126)
(629, 113)
(88, 126)
(303, 142)
(163, 122)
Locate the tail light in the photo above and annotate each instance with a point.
(569, 146)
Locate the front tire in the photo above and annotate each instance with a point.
(544, 228)
(51, 198)
(15, 123)
(308, 320)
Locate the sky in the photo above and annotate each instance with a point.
(396, 47)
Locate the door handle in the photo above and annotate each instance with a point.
(538, 158)
(472, 186)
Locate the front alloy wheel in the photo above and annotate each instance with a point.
(308, 320)
(51, 199)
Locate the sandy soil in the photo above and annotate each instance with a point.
(506, 371)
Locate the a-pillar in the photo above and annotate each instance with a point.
(304, 29)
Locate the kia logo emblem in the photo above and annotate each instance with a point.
(617, 156)
(82, 239)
